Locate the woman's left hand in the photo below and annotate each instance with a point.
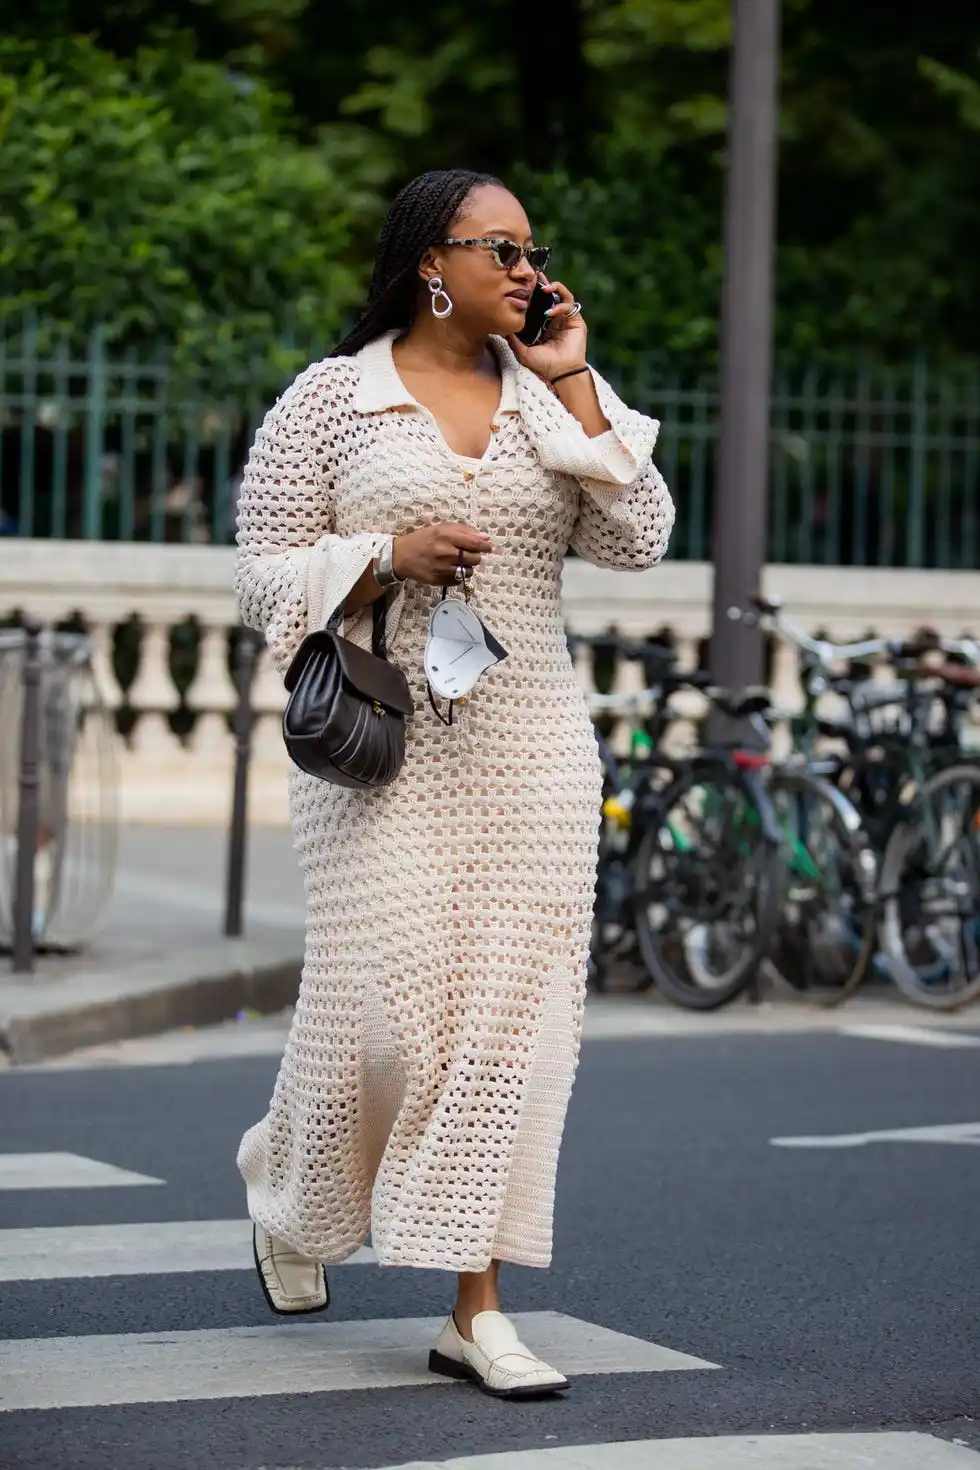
(563, 349)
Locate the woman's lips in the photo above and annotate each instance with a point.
(521, 301)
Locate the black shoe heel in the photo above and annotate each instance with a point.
(448, 1367)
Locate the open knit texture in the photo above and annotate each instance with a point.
(424, 1085)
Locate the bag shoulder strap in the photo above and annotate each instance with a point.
(379, 616)
(379, 627)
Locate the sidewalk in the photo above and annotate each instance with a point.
(160, 964)
(160, 960)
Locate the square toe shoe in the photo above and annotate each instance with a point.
(496, 1359)
(292, 1284)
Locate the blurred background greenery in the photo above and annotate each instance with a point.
(211, 174)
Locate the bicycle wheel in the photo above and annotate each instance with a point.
(613, 942)
(825, 934)
(706, 888)
(930, 883)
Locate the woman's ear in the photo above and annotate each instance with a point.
(429, 265)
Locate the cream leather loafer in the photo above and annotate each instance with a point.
(291, 1284)
(496, 1359)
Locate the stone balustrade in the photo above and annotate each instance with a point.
(160, 617)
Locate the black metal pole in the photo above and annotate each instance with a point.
(746, 338)
(246, 657)
(28, 811)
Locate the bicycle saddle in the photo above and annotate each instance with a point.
(961, 676)
(693, 679)
(741, 702)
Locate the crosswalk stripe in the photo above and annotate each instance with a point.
(888, 1450)
(913, 1035)
(51, 1253)
(247, 1362)
(64, 1171)
(952, 1133)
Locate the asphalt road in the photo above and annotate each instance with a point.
(836, 1287)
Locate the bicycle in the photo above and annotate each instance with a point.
(918, 797)
(824, 928)
(687, 849)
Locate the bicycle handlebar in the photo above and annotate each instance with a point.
(768, 612)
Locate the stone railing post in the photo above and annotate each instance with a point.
(152, 695)
(212, 696)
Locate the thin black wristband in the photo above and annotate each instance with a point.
(572, 373)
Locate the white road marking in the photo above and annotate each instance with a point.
(51, 1253)
(301, 1357)
(64, 1171)
(914, 1035)
(937, 1133)
(618, 1017)
(888, 1450)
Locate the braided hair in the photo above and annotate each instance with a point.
(420, 216)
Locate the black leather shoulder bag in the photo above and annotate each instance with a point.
(345, 717)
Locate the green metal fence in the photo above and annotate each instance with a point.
(870, 467)
(110, 448)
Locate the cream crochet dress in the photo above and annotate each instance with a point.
(423, 1090)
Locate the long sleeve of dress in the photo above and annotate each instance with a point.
(293, 571)
(625, 510)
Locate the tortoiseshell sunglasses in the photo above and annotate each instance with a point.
(506, 253)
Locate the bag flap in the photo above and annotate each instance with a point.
(321, 642)
(372, 677)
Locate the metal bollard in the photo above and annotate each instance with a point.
(28, 813)
(246, 657)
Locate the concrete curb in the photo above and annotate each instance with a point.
(195, 987)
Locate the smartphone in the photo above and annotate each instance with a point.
(536, 323)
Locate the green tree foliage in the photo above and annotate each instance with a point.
(611, 124)
(652, 291)
(169, 199)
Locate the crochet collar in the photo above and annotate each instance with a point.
(380, 387)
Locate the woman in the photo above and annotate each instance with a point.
(423, 1090)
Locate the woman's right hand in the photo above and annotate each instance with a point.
(431, 555)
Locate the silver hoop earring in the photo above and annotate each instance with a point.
(437, 290)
